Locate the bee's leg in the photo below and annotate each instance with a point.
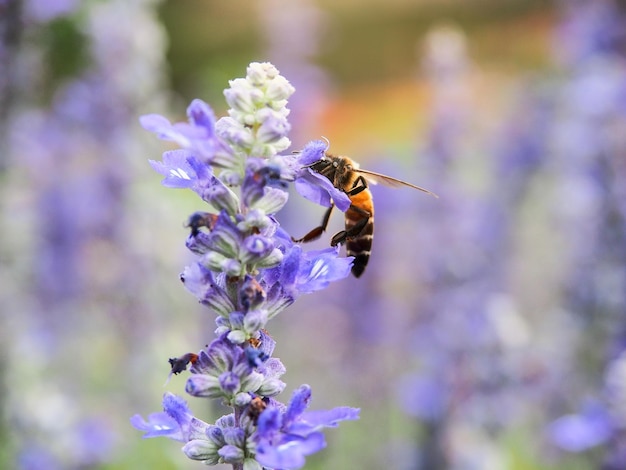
(360, 184)
(355, 230)
(317, 231)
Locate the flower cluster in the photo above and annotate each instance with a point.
(247, 271)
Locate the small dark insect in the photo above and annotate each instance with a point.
(201, 219)
(179, 364)
(345, 174)
(270, 176)
(256, 406)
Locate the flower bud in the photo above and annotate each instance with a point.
(199, 449)
(255, 248)
(237, 337)
(238, 96)
(202, 385)
(229, 382)
(255, 320)
(272, 201)
(271, 387)
(271, 260)
(252, 382)
(231, 454)
(221, 197)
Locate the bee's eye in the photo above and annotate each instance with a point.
(335, 164)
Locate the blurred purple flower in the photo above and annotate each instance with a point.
(47, 10)
(579, 432)
(424, 396)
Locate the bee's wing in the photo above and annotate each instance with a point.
(390, 181)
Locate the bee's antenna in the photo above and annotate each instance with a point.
(327, 142)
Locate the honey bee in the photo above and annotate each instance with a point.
(345, 174)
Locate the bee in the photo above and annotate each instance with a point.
(201, 219)
(345, 174)
(254, 409)
(180, 364)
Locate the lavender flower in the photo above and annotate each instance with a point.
(247, 271)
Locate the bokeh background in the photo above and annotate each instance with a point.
(487, 333)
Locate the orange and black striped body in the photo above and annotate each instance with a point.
(359, 218)
(359, 245)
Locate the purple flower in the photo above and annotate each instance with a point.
(198, 135)
(175, 421)
(284, 439)
(313, 186)
(306, 272)
(181, 170)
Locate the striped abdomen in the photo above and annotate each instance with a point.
(360, 245)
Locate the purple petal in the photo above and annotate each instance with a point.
(290, 265)
(178, 172)
(267, 343)
(329, 418)
(157, 124)
(313, 186)
(290, 453)
(320, 190)
(312, 152)
(272, 368)
(321, 267)
(308, 187)
(269, 423)
(177, 408)
(201, 115)
(298, 403)
(158, 425)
